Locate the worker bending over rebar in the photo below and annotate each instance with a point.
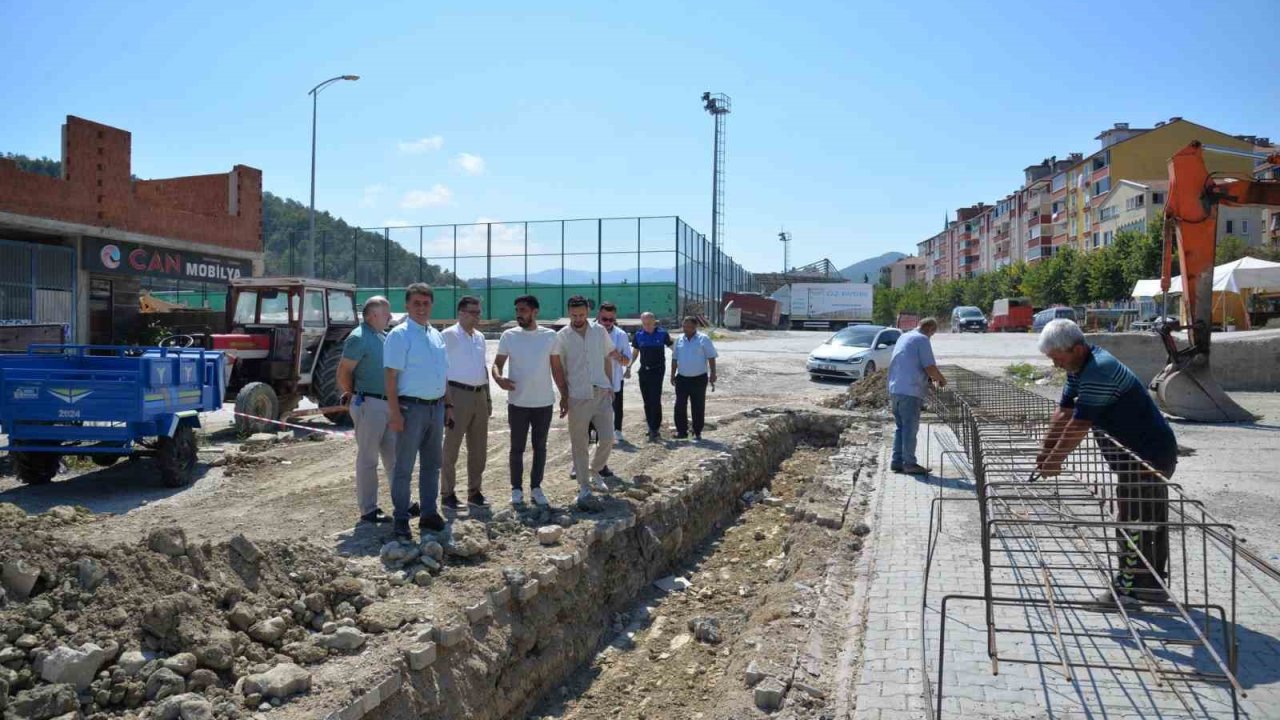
(1103, 395)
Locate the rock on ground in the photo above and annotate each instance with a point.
(171, 541)
(72, 666)
(468, 539)
(280, 681)
(43, 702)
(164, 683)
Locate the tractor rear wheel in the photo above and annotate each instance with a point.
(35, 468)
(324, 384)
(104, 460)
(176, 457)
(256, 406)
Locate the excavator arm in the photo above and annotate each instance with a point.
(1186, 387)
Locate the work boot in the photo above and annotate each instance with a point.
(415, 510)
(477, 500)
(375, 516)
(450, 502)
(916, 469)
(402, 531)
(895, 467)
(431, 523)
(1105, 601)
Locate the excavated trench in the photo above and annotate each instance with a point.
(753, 558)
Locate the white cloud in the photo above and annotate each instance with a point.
(469, 164)
(438, 195)
(396, 222)
(426, 144)
(372, 193)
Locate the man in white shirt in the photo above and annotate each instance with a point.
(693, 367)
(530, 394)
(468, 378)
(607, 318)
(583, 370)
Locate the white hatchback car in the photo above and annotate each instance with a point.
(853, 352)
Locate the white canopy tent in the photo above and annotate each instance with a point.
(1233, 282)
(1247, 273)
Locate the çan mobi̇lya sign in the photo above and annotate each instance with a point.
(133, 259)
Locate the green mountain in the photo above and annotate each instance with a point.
(338, 245)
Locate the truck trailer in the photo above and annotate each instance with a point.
(825, 306)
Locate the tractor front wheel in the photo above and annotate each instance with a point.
(35, 468)
(256, 406)
(177, 457)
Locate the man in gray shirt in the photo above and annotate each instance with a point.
(911, 367)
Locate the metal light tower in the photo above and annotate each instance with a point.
(785, 237)
(311, 235)
(718, 105)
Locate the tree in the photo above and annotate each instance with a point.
(1230, 249)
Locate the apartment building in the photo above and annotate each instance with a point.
(902, 272)
(1083, 201)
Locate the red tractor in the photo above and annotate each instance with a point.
(284, 342)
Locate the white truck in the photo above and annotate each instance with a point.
(824, 306)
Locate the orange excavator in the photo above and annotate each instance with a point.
(1186, 387)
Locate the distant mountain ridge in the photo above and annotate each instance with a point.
(870, 267)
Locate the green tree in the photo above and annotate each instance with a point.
(1230, 249)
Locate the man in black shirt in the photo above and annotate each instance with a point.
(652, 341)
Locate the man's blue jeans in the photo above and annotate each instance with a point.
(422, 440)
(906, 423)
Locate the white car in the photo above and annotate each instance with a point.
(853, 352)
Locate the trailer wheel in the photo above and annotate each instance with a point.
(260, 401)
(177, 457)
(324, 384)
(104, 460)
(33, 468)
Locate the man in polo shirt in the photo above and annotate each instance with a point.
(583, 367)
(361, 382)
(531, 396)
(911, 367)
(468, 378)
(607, 317)
(693, 367)
(651, 342)
(1104, 396)
(415, 363)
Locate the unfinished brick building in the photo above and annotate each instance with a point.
(77, 250)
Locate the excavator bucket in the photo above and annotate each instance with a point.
(1188, 390)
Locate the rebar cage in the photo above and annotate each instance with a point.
(1050, 546)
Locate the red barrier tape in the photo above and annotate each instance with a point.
(339, 433)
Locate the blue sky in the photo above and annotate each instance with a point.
(857, 126)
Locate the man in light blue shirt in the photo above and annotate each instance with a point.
(910, 368)
(415, 362)
(693, 367)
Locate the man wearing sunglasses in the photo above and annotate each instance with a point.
(468, 378)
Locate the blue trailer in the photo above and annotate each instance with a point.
(107, 402)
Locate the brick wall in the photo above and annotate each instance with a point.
(223, 210)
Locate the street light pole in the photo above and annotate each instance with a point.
(311, 235)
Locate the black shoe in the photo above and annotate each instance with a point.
(415, 510)
(606, 472)
(377, 516)
(697, 437)
(916, 469)
(431, 523)
(477, 499)
(653, 437)
(593, 438)
(450, 502)
(682, 436)
(895, 467)
(573, 474)
(402, 531)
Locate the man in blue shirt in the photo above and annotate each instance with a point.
(693, 367)
(363, 386)
(1103, 395)
(651, 342)
(415, 362)
(911, 367)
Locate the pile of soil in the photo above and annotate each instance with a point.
(869, 393)
(109, 630)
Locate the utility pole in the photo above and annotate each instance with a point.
(311, 215)
(785, 237)
(718, 105)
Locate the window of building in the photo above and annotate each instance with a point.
(1244, 227)
(1157, 198)
(1096, 240)
(1059, 182)
(1106, 237)
(1231, 226)
(1102, 186)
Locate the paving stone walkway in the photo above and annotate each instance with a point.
(890, 682)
